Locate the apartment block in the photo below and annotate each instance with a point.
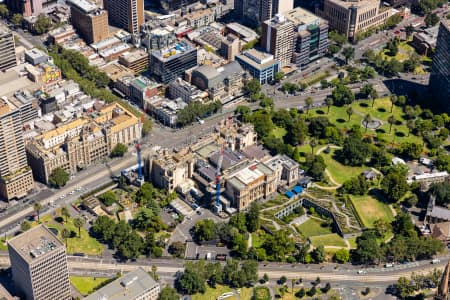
(136, 285)
(16, 179)
(136, 60)
(39, 265)
(311, 41)
(269, 8)
(78, 143)
(90, 21)
(440, 70)
(7, 49)
(30, 7)
(260, 65)
(170, 63)
(126, 14)
(352, 17)
(186, 91)
(248, 10)
(278, 38)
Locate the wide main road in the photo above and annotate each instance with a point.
(170, 267)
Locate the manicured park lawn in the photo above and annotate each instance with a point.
(3, 246)
(338, 171)
(75, 244)
(312, 227)
(86, 285)
(257, 240)
(246, 293)
(328, 240)
(370, 209)
(352, 242)
(381, 111)
(211, 293)
(279, 132)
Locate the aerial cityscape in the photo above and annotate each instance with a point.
(224, 149)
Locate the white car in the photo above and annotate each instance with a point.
(72, 192)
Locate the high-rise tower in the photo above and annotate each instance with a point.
(440, 71)
(126, 14)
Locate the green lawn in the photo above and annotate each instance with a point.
(312, 227)
(86, 285)
(86, 244)
(279, 132)
(352, 242)
(370, 209)
(246, 293)
(328, 240)
(261, 293)
(3, 245)
(381, 110)
(212, 294)
(257, 239)
(338, 171)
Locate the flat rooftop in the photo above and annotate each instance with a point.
(35, 243)
(301, 16)
(84, 5)
(129, 286)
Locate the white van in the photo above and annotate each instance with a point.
(435, 261)
(389, 265)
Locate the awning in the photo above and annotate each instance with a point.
(297, 189)
(289, 194)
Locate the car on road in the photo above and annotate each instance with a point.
(389, 265)
(361, 272)
(199, 212)
(435, 261)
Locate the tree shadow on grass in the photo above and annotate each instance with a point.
(378, 194)
(381, 109)
(362, 104)
(400, 134)
(380, 130)
(341, 121)
(320, 112)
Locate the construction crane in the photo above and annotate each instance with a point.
(218, 206)
(139, 160)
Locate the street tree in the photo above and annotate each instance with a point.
(168, 293)
(431, 19)
(190, 282)
(278, 76)
(308, 102)
(349, 53)
(252, 217)
(119, 150)
(58, 178)
(42, 24)
(17, 19)
(342, 95)
(37, 208)
(342, 256)
(78, 223)
(25, 226)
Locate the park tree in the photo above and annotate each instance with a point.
(308, 102)
(65, 213)
(312, 144)
(58, 178)
(367, 120)
(342, 95)
(190, 282)
(242, 110)
(349, 112)
(441, 191)
(348, 53)
(355, 151)
(391, 121)
(318, 254)
(205, 230)
(65, 234)
(394, 185)
(404, 287)
(369, 91)
(382, 227)
(78, 223)
(368, 250)
(409, 30)
(108, 198)
(342, 256)
(278, 245)
(168, 293)
(252, 217)
(119, 150)
(329, 103)
(315, 167)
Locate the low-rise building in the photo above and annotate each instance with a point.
(186, 91)
(136, 285)
(250, 183)
(61, 34)
(230, 47)
(201, 17)
(83, 141)
(424, 42)
(142, 88)
(260, 65)
(285, 168)
(35, 57)
(222, 83)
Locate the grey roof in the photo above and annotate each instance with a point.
(440, 213)
(208, 72)
(213, 76)
(127, 287)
